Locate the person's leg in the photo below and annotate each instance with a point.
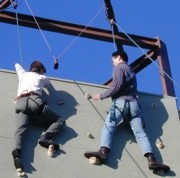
(142, 139)
(108, 130)
(136, 124)
(22, 121)
(55, 124)
(111, 122)
(25, 108)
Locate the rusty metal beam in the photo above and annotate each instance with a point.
(111, 17)
(165, 70)
(74, 29)
(143, 61)
(5, 3)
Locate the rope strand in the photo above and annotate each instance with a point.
(19, 39)
(14, 4)
(48, 45)
(114, 43)
(74, 40)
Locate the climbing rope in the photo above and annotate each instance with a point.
(46, 41)
(19, 39)
(15, 4)
(75, 39)
(161, 71)
(67, 48)
(114, 42)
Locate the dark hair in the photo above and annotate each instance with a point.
(121, 53)
(37, 66)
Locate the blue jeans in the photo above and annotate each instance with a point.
(131, 112)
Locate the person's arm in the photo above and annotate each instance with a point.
(117, 84)
(19, 69)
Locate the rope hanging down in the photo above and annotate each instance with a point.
(14, 4)
(74, 40)
(56, 64)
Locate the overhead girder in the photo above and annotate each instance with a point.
(5, 3)
(112, 20)
(74, 29)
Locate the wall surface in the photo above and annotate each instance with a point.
(87, 116)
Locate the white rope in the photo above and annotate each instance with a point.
(114, 43)
(161, 71)
(74, 40)
(14, 4)
(19, 39)
(40, 30)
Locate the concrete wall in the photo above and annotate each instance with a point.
(83, 116)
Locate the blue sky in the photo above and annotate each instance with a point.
(88, 60)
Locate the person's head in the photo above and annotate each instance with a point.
(119, 56)
(37, 66)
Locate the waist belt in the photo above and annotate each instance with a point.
(26, 94)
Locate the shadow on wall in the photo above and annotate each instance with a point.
(155, 116)
(65, 109)
(61, 101)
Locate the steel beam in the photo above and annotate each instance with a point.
(5, 3)
(111, 17)
(165, 70)
(74, 29)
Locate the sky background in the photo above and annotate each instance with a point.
(87, 60)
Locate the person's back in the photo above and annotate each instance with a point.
(30, 81)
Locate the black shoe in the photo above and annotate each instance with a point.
(155, 165)
(101, 155)
(46, 140)
(18, 163)
(16, 153)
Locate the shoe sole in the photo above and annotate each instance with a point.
(160, 169)
(46, 145)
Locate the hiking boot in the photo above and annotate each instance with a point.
(155, 165)
(46, 140)
(101, 155)
(16, 153)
